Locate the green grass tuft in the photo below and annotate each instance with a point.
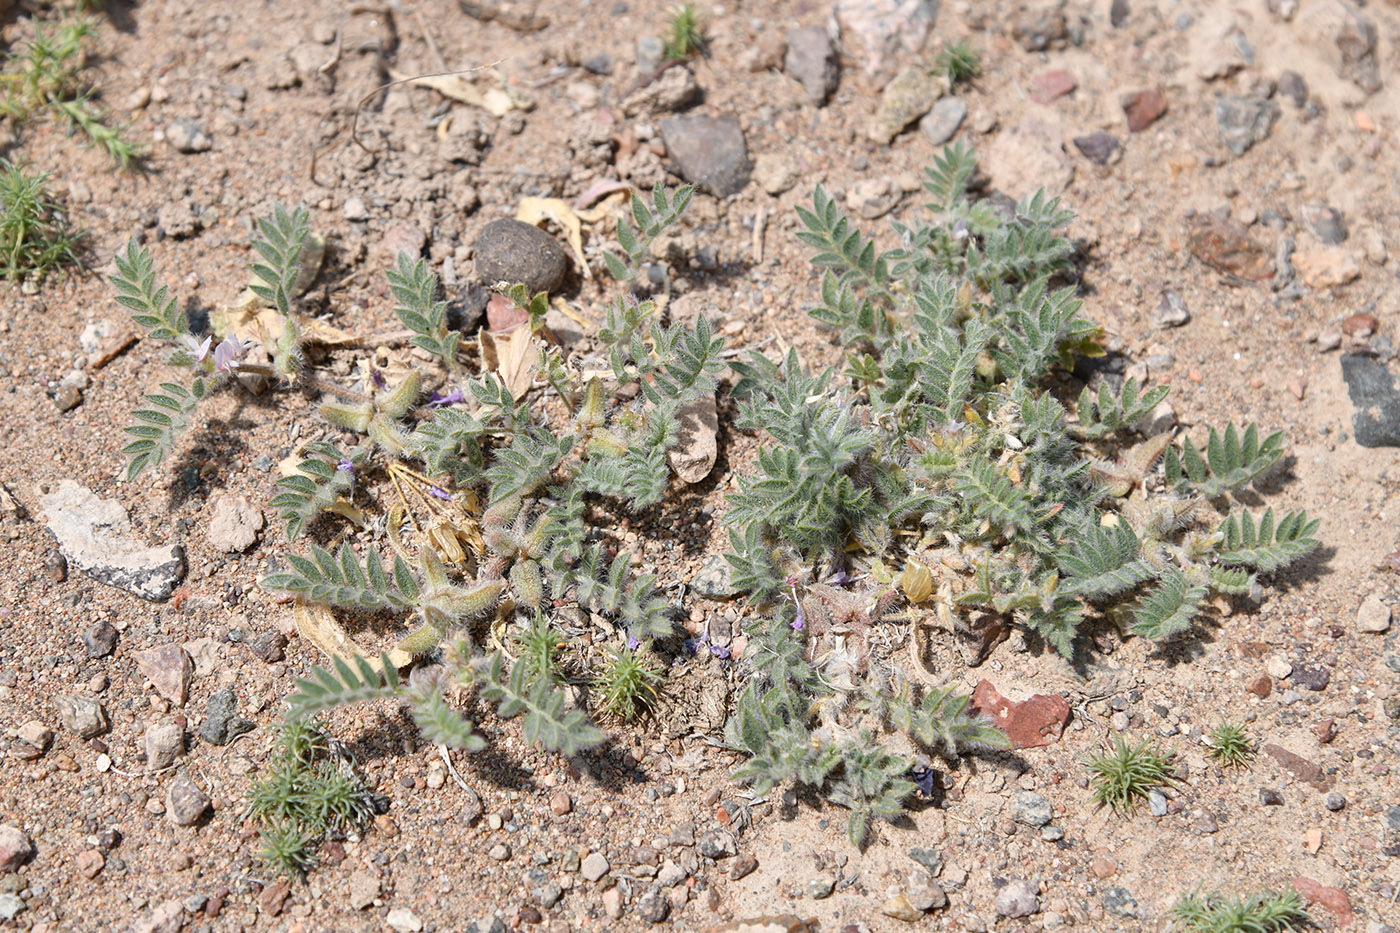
(959, 61)
(628, 682)
(685, 33)
(1260, 912)
(1126, 773)
(1230, 746)
(34, 233)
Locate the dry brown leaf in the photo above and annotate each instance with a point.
(694, 457)
(512, 355)
(607, 207)
(317, 625)
(534, 210)
(249, 320)
(494, 100)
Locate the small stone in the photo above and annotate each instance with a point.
(185, 803)
(1031, 723)
(1157, 803)
(612, 903)
(1031, 809)
(514, 251)
(1038, 28)
(269, 647)
(165, 741)
(67, 397)
(873, 197)
(560, 803)
(16, 848)
(1118, 12)
(899, 908)
(222, 724)
(187, 136)
(1052, 84)
(1360, 325)
(1229, 248)
(99, 639)
(671, 874)
(1375, 400)
(1142, 108)
(941, 122)
(1278, 667)
(653, 907)
(1103, 868)
(674, 90)
(89, 863)
(1261, 686)
(1244, 121)
(235, 524)
(1018, 898)
(1334, 899)
(1292, 86)
(905, 99)
(1326, 222)
(94, 535)
(821, 886)
(717, 844)
(364, 888)
(1119, 721)
(82, 716)
(812, 60)
(927, 895)
(1313, 676)
(931, 859)
(1335, 801)
(1171, 311)
(594, 866)
(775, 172)
(1120, 902)
(354, 209)
(710, 151)
(1373, 616)
(404, 920)
(744, 865)
(1326, 266)
(36, 734)
(11, 906)
(549, 894)
(169, 669)
(649, 51)
(500, 852)
(1099, 148)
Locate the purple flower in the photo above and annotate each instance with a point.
(226, 354)
(377, 378)
(799, 623)
(198, 349)
(346, 466)
(719, 652)
(633, 643)
(437, 492)
(455, 397)
(839, 578)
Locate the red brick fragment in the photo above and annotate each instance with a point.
(1030, 723)
(1144, 107)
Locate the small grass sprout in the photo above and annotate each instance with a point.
(35, 238)
(628, 682)
(1229, 744)
(1126, 773)
(959, 61)
(538, 647)
(1260, 912)
(685, 33)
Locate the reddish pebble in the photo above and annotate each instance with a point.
(1261, 686)
(1325, 730)
(1334, 899)
(1360, 325)
(1029, 723)
(1052, 84)
(213, 906)
(560, 803)
(1299, 387)
(90, 863)
(502, 314)
(1103, 868)
(1144, 107)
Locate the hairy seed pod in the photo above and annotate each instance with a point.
(525, 577)
(916, 582)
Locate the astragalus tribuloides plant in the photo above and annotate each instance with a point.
(935, 480)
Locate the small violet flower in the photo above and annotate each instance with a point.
(198, 349)
(455, 397)
(633, 643)
(799, 623)
(720, 652)
(437, 492)
(226, 354)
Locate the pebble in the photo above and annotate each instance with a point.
(943, 120)
(905, 99)
(99, 639)
(1031, 809)
(873, 197)
(269, 647)
(404, 920)
(500, 852)
(364, 888)
(1278, 667)
(654, 907)
(821, 886)
(1120, 902)
(1229, 248)
(1244, 121)
(717, 844)
(11, 906)
(1375, 400)
(1373, 616)
(185, 803)
(674, 90)
(594, 866)
(1292, 86)
(222, 724)
(235, 524)
(1099, 148)
(648, 52)
(1261, 686)
(169, 669)
(1119, 721)
(354, 209)
(1171, 311)
(1326, 266)
(931, 859)
(1313, 676)
(1335, 801)
(612, 903)
(710, 152)
(513, 251)
(1049, 85)
(1157, 803)
(1142, 108)
(188, 136)
(899, 908)
(1018, 898)
(1037, 28)
(82, 716)
(67, 397)
(744, 865)
(560, 803)
(1326, 222)
(36, 734)
(90, 863)
(888, 32)
(1033, 722)
(812, 60)
(775, 172)
(93, 534)
(16, 848)
(164, 741)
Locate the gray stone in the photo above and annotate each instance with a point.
(1038, 28)
(1120, 902)
(653, 907)
(235, 524)
(712, 580)
(549, 894)
(931, 859)
(11, 906)
(222, 724)
(1171, 311)
(650, 51)
(1018, 898)
(1118, 13)
(1326, 222)
(717, 843)
(821, 886)
(1100, 148)
(1031, 809)
(1292, 86)
(887, 32)
(165, 741)
(811, 59)
(513, 251)
(93, 535)
(170, 669)
(1375, 398)
(710, 152)
(185, 803)
(99, 639)
(82, 716)
(941, 122)
(1244, 121)
(188, 136)
(16, 848)
(911, 94)
(671, 874)
(1335, 801)
(1373, 616)
(1157, 803)
(594, 866)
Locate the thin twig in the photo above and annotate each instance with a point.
(447, 760)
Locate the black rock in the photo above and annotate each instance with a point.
(1292, 86)
(99, 639)
(1118, 13)
(1099, 148)
(811, 59)
(710, 152)
(513, 251)
(1270, 797)
(222, 724)
(1376, 398)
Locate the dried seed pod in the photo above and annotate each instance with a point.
(916, 582)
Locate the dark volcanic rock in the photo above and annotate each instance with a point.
(513, 251)
(1376, 398)
(710, 151)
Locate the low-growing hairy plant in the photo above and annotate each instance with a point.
(959, 61)
(685, 33)
(1128, 772)
(45, 73)
(628, 681)
(938, 445)
(1260, 912)
(35, 237)
(1230, 745)
(310, 793)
